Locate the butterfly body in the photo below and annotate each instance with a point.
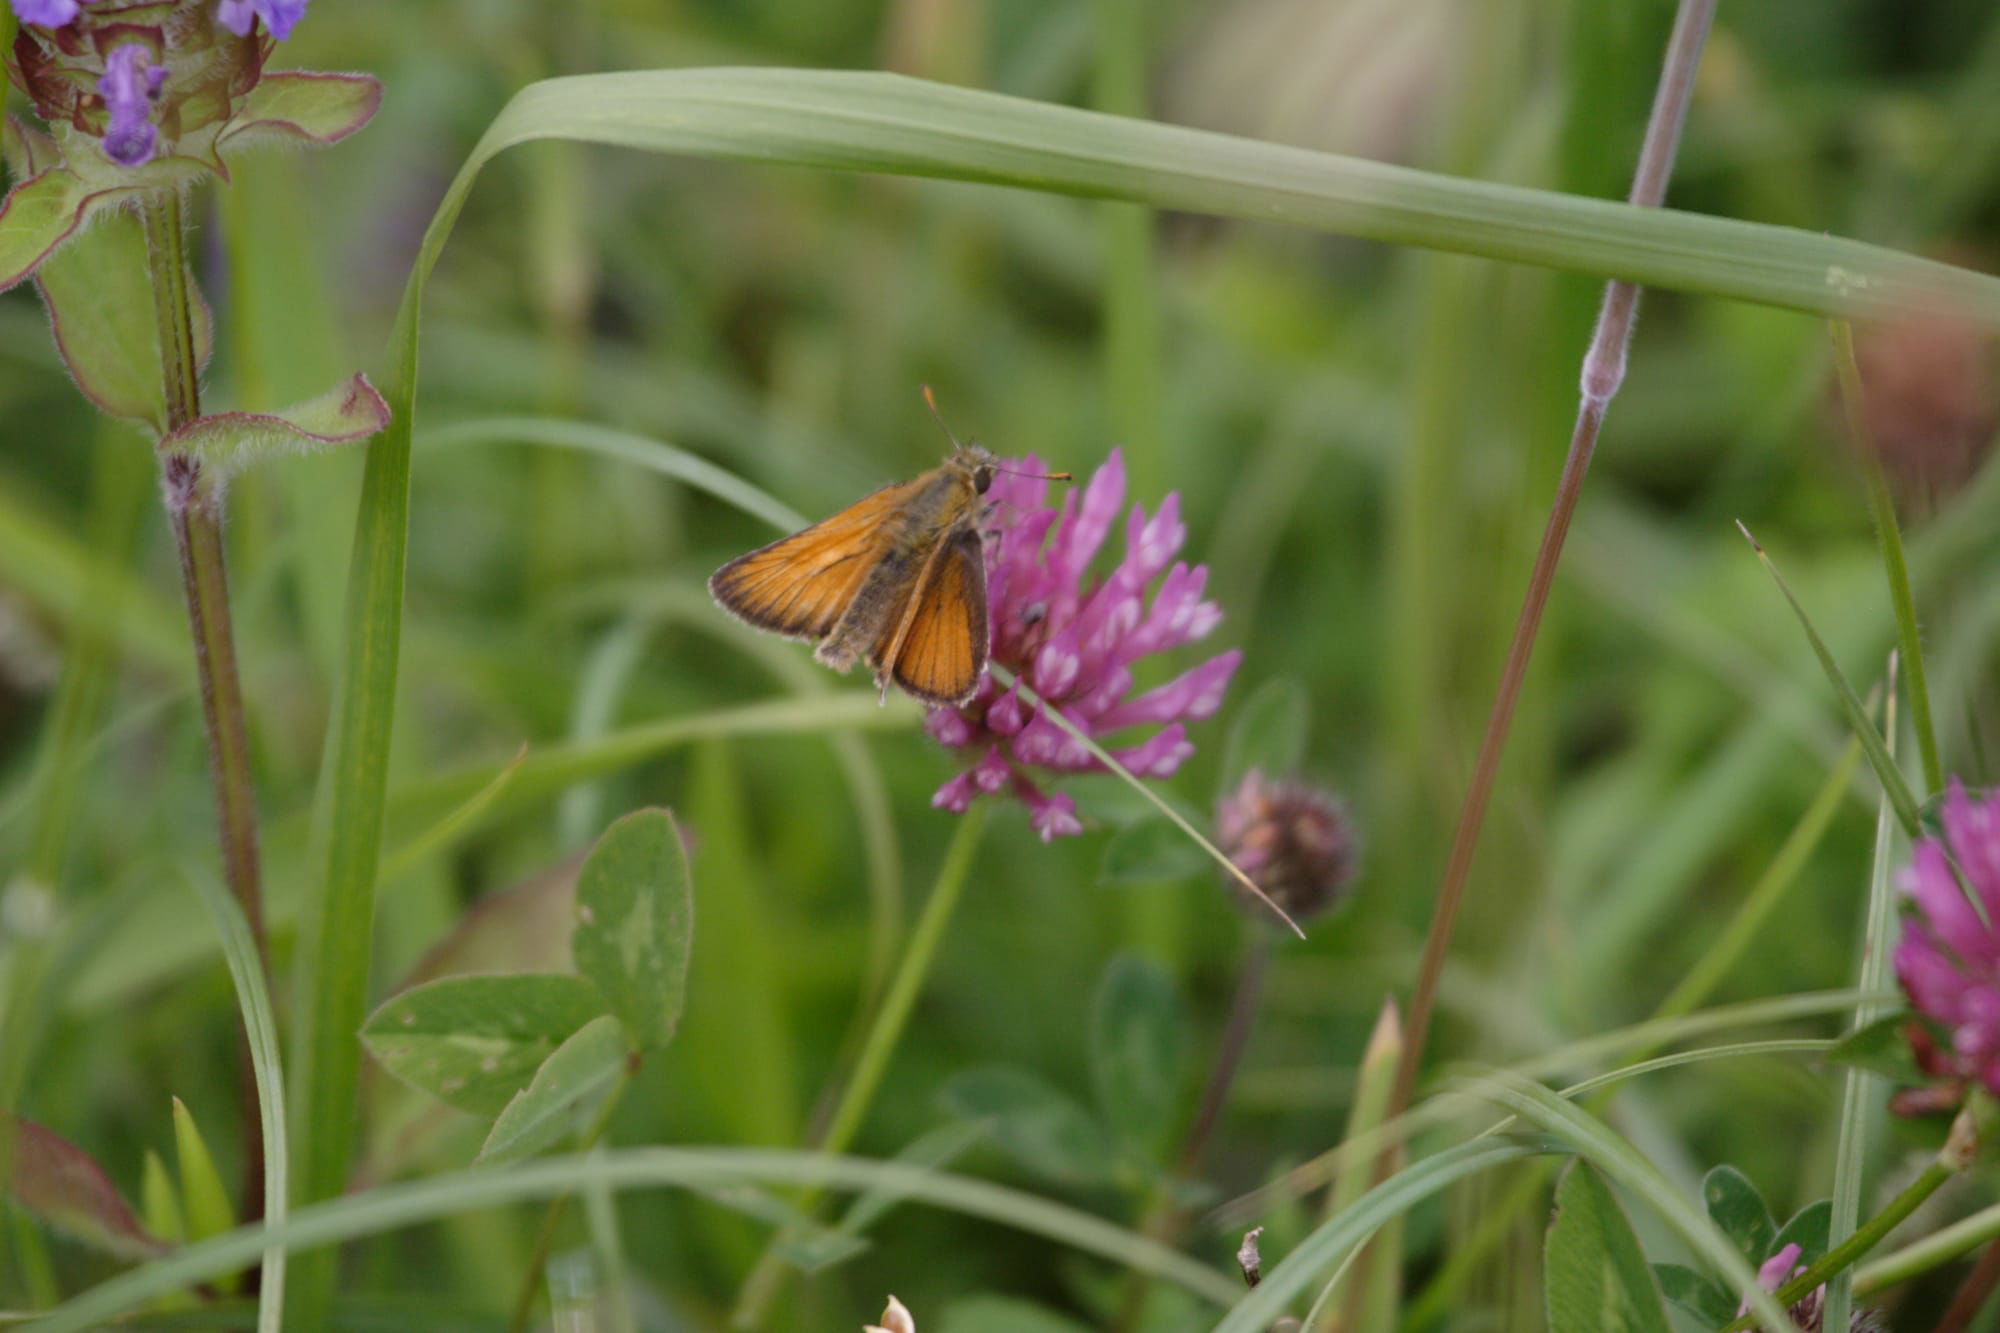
(897, 579)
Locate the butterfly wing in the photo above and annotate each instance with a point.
(936, 649)
(799, 585)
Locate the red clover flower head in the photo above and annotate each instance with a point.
(1949, 957)
(1074, 639)
(1294, 839)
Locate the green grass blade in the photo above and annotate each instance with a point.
(626, 447)
(1335, 1239)
(849, 121)
(1889, 537)
(261, 1023)
(1861, 1091)
(1894, 787)
(395, 1206)
(1596, 1142)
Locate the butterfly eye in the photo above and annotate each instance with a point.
(982, 478)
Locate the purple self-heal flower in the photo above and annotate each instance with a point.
(280, 16)
(1073, 640)
(47, 13)
(131, 85)
(1949, 957)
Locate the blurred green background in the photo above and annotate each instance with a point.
(1365, 441)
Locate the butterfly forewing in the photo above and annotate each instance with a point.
(799, 585)
(943, 649)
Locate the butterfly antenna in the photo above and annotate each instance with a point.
(930, 400)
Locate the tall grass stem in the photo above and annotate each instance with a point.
(1603, 372)
(192, 510)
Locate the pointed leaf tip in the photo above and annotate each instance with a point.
(228, 442)
(309, 107)
(64, 1186)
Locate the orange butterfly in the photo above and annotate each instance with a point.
(897, 579)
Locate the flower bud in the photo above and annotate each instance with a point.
(138, 77)
(1296, 841)
(1929, 401)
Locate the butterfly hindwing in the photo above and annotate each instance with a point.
(799, 585)
(942, 651)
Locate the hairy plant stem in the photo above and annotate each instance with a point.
(1603, 372)
(884, 1034)
(1165, 1219)
(545, 1238)
(193, 511)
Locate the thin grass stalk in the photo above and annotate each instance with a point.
(1859, 1102)
(1603, 372)
(1889, 537)
(1972, 1294)
(884, 1035)
(536, 1268)
(193, 511)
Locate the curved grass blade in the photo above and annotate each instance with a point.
(396, 1206)
(626, 447)
(254, 999)
(1894, 787)
(1594, 1141)
(1335, 1239)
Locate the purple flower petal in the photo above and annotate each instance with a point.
(280, 16)
(1973, 830)
(130, 84)
(1780, 1268)
(46, 13)
(1072, 638)
(1948, 959)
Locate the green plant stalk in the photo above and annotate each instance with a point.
(1843, 1256)
(1889, 538)
(1603, 373)
(1941, 1247)
(192, 509)
(1860, 1089)
(337, 929)
(761, 1287)
(1891, 777)
(545, 1238)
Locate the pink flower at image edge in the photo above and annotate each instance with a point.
(1948, 959)
(1074, 643)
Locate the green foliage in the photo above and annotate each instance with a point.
(1268, 734)
(567, 1088)
(635, 925)
(1033, 1122)
(637, 364)
(475, 1041)
(1138, 1050)
(1735, 1206)
(1596, 1277)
